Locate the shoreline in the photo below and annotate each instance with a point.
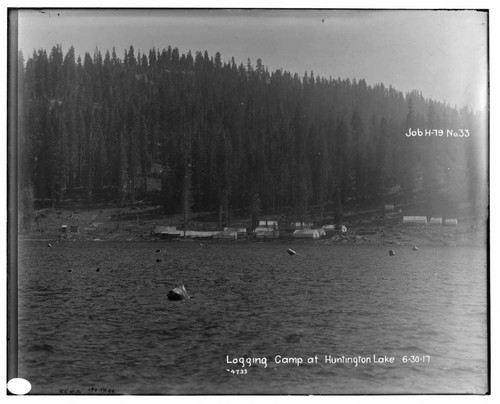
(350, 240)
(104, 224)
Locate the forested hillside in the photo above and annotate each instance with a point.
(195, 132)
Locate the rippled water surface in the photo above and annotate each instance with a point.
(115, 329)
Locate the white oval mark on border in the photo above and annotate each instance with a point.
(19, 386)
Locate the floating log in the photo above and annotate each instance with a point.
(178, 293)
(392, 252)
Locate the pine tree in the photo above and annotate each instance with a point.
(187, 198)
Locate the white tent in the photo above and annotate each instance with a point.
(451, 222)
(436, 221)
(415, 219)
(264, 232)
(268, 223)
(306, 233)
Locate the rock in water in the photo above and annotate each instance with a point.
(178, 293)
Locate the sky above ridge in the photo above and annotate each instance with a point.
(443, 54)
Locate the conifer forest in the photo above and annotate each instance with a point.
(194, 131)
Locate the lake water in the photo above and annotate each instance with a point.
(114, 331)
